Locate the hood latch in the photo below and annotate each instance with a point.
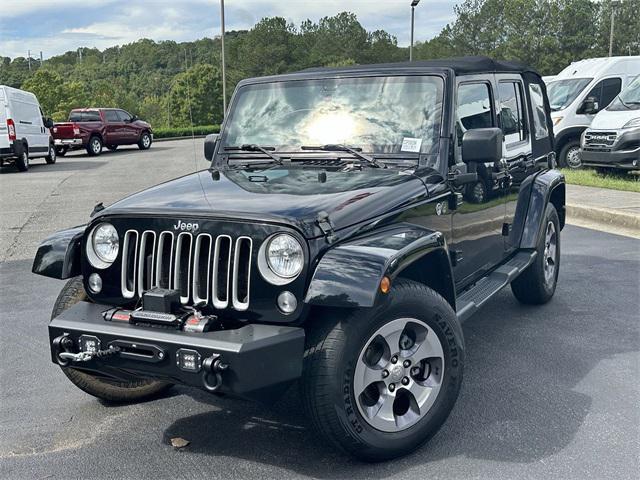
(325, 225)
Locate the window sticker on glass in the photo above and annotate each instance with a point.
(411, 144)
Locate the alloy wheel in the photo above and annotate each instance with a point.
(146, 141)
(398, 374)
(573, 158)
(550, 253)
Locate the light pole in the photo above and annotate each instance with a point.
(414, 3)
(614, 4)
(224, 74)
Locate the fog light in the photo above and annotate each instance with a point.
(188, 360)
(95, 283)
(287, 302)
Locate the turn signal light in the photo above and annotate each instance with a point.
(12, 129)
(385, 285)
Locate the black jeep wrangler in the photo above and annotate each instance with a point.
(330, 243)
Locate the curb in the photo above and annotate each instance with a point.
(604, 216)
(168, 139)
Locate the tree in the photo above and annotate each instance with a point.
(196, 95)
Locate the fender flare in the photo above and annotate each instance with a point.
(566, 134)
(349, 274)
(546, 187)
(58, 256)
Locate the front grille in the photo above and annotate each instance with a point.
(205, 270)
(599, 140)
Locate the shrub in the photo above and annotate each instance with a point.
(185, 131)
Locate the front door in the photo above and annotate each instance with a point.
(477, 242)
(129, 132)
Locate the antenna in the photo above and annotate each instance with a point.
(193, 134)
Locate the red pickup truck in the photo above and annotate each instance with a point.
(95, 128)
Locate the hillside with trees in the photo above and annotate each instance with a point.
(169, 83)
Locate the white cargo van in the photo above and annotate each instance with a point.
(580, 91)
(613, 139)
(24, 131)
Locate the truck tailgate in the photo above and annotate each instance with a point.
(64, 130)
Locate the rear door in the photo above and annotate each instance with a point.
(114, 127)
(4, 131)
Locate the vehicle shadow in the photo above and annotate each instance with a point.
(59, 166)
(518, 404)
(108, 153)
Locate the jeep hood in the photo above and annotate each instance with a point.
(295, 197)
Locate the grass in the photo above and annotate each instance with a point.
(615, 181)
(185, 131)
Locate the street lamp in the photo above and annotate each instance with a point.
(414, 3)
(224, 75)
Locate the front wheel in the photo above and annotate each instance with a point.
(380, 382)
(570, 155)
(110, 390)
(145, 141)
(537, 284)
(53, 156)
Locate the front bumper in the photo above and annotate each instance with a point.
(261, 360)
(623, 153)
(68, 142)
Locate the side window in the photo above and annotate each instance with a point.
(474, 109)
(605, 91)
(111, 116)
(540, 129)
(124, 116)
(91, 116)
(512, 112)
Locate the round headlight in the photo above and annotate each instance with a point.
(105, 242)
(285, 256)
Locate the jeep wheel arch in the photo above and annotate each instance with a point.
(349, 275)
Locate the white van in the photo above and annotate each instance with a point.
(580, 91)
(613, 139)
(24, 131)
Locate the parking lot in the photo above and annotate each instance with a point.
(549, 392)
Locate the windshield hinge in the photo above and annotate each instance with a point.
(325, 225)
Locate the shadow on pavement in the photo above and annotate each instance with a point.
(59, 166)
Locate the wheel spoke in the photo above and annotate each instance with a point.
(366, 376)
(381, 414)
(424, 395)
(429, 347)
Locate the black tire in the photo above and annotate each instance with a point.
(22, 161)
(145, 141)
(53, 155)
(567, 158)
(113, 148)
(333, 347)
(477, 193)
(94, 147)
(533, 287)
(62, 151)
(109, 390)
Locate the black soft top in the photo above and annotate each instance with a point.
(460, 65)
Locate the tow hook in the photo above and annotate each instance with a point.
(213, 367)
(62, 345)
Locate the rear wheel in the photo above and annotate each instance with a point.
(380, 382)
(104, 388)
(145, 141)
(537, 284)
(94, 147)
(53, 156)
(570, 155)
(22, 162)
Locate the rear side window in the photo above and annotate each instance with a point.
(512, 112)
(84, 117)
(605, 91)
(112, 116)
(540, 129)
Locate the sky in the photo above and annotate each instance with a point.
(56, 26)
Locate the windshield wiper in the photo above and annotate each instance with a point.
(356, 152)
(256, 148)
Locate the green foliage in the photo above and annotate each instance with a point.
(169, 83)
(185, 131)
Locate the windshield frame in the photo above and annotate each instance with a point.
(577, 94)
(222, 157)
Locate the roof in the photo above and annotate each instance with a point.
(596, 67)
(460, 65)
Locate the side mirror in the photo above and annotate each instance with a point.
(482, 145)
(210, 145)
(133, 118)
(48, 122)
(589, 106)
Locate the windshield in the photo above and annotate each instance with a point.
(563, 92)
(389, 115)
(628, 99)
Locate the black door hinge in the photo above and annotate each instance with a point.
(456, 257)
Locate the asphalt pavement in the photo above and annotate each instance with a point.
(549, 392)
